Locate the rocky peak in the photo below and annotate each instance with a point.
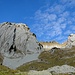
(16, 40)
(71, 41)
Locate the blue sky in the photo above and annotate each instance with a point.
(48, 19)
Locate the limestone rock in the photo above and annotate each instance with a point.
(71, 41)
(62, 69)
(44, 72)
(17, 41)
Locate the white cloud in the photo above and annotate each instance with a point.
(56, 8)
(65, 14)
(69, 22)
(68, 32)
(63, 26)
(68, 2)
(51, 17)
(61, 20)
(54, 21)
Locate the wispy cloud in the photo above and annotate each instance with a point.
(55, 21)
(68, 2)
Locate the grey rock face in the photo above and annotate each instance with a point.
(62, 69)
(17, 41)
(71, 41)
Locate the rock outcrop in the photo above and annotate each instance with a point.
(44, 72)
(56, 70)
(17, 41)
(71, 41)
(62, 69)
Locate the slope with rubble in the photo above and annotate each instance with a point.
(55, 59)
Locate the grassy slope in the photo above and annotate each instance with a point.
(46, 60)
(6, 71)
(49, 59)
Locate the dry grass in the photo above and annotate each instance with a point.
(49, 59)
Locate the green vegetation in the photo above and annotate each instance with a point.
(45, 60)
(53, 57)
(33, 66)
(6, 71)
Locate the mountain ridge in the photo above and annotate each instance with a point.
(21, 50)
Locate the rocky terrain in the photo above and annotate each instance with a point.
(52, 44)
(55, 59)
(22, 54)
(51, 58)
(17, 44)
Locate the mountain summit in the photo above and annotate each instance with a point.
(16, 41)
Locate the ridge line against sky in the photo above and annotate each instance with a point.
(48, 19)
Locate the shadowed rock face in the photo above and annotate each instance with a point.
(17, 41)
(1, 59)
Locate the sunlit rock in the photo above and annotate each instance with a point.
(16, 41)
(71, 41)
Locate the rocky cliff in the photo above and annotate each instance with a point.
(71, 41)
(16, 41)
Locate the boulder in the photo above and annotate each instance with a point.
(62, 69)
